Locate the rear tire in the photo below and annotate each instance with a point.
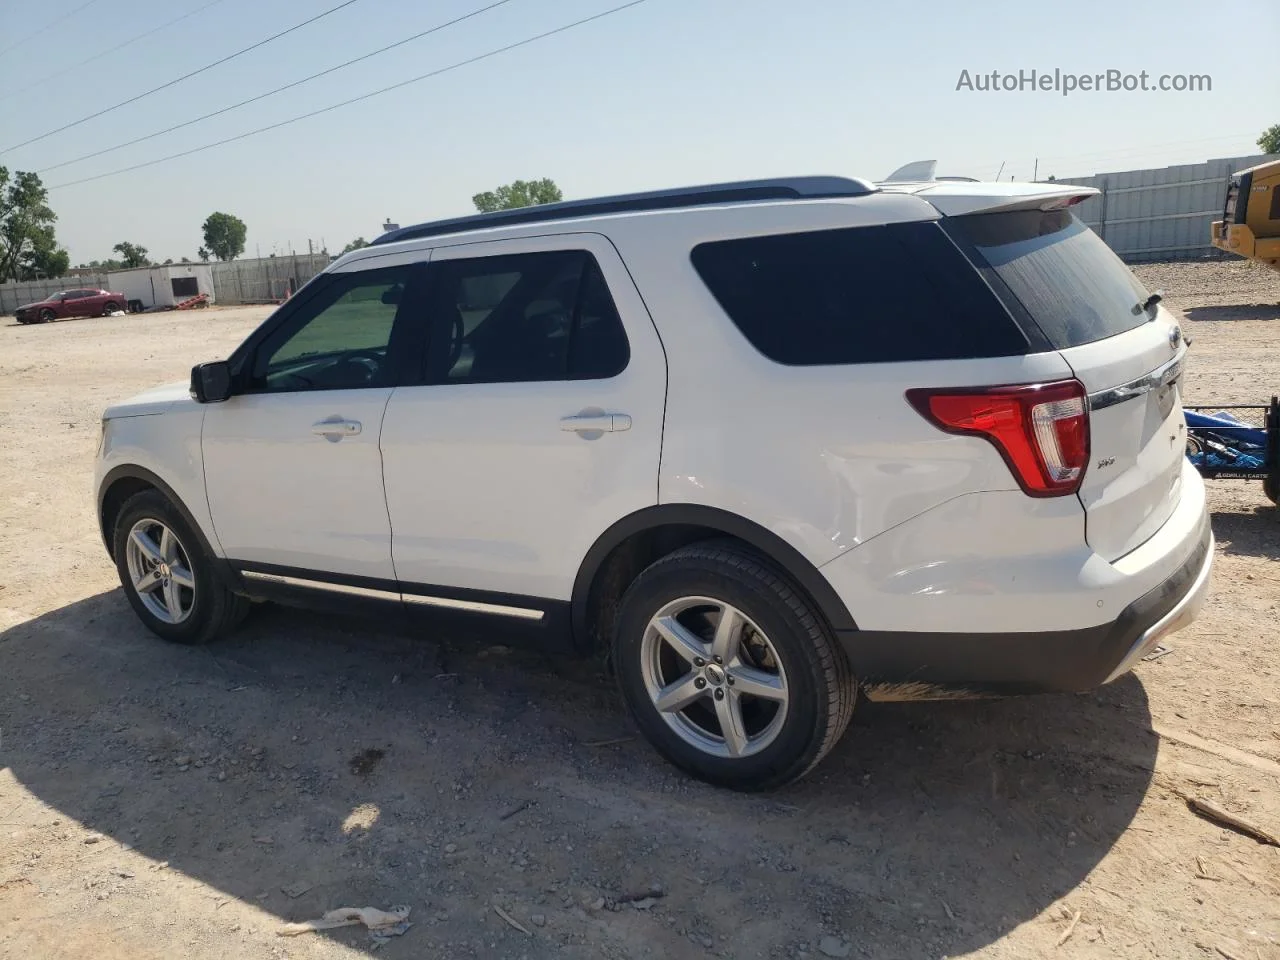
(169, 576)
(778, 699)
(1271, 487)
(109, 308)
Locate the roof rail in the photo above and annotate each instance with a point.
(788, 188)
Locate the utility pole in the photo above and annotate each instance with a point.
(1036, 169)
(1000, 171)
(310, 252)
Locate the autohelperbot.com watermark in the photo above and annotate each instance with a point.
(1065, 83)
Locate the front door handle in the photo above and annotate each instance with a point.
(596, 423)
(335, 428)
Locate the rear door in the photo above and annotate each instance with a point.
(1126, 349)
(537, 424)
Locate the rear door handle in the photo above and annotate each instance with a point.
(596, 423)
(335, 428)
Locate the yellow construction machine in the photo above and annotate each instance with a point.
(1250, 224)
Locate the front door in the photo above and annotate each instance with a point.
(291, 461)
(538, 424)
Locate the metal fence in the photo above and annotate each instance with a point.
(1161, 213)
(14, 295)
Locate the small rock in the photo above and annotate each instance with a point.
(182, 761)
(153, 759)
(92, 840)
(538, 920)
(222, 775)
(450, 848)
(834, 947)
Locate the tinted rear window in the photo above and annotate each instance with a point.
(1075, 289)
(865, 295)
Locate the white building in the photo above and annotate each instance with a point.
(163, 286)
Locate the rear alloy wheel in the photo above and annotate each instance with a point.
(109, 308)
(47, 315)
(167, 573)
(727, 671)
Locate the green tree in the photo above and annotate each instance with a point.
(203, 254)
(24, 213)
(224, 236)
(1269, 142)
(132, 254)
(519, 193)
(44, 258)
(355, 244)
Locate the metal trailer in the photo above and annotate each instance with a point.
(1229, 443)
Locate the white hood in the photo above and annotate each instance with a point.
(150, 402)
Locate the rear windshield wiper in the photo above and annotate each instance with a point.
(1148, 303)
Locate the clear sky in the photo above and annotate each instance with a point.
(666, 93)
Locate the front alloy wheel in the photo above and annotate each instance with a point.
(168, 572)
(161, 571)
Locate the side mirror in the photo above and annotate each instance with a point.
(211, 382)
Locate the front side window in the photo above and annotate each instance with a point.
(523, 317)
(340, 339)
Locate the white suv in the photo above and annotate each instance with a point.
(767, 443)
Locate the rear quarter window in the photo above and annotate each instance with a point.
(882, 294)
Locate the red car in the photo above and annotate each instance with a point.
(72, 303)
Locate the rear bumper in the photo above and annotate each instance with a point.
(926, 666)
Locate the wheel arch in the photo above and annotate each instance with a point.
(625, 548)
(123, 482)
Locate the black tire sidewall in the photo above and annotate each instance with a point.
(804, 728)
(195, 629)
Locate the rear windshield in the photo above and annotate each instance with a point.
(1075, 289)
(883, 294)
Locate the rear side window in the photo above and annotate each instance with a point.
(1072, 285)
(865, 295)
(523, 317)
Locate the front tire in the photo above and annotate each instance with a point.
(47, 316)
(168, 575)
(728, 671)
(109, 308)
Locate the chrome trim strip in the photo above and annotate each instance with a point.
(1159, 377)
(475, 606)
(472, 606)
(368, 592)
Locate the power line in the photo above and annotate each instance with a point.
(118, 47)
(48, 26)
(186, 76)
(364, 96)
(269, 93)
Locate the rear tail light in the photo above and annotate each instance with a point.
(1041, 429)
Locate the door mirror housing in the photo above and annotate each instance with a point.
(211, 382)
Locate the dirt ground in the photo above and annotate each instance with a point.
(159, 801)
